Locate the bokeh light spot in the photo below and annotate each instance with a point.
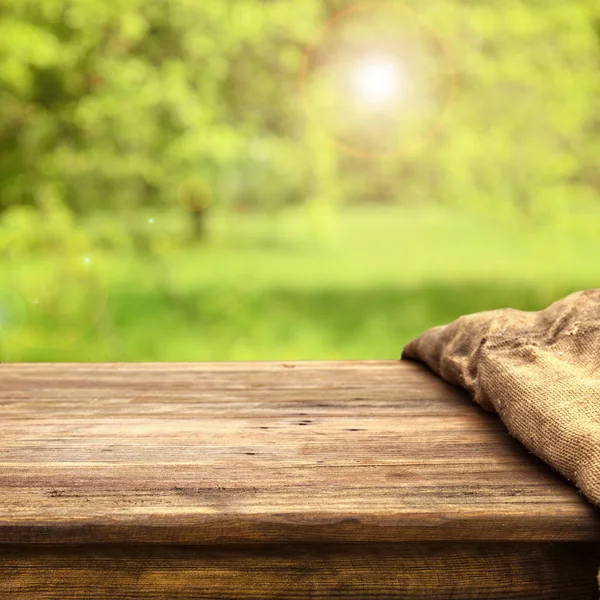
(379, 80)
(13, 312)
(55, 309)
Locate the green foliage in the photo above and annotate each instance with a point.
(119, 104)
(129, 129)
(525, 118)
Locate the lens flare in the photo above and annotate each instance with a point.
(56, 308)
(13, 311)
(379, 80)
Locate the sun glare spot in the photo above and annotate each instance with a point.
(379, 80)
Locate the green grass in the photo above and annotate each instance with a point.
(359, 285)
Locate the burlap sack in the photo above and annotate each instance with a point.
(539, 371)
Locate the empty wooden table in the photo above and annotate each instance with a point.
(275, 480)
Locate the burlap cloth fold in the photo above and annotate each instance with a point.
(540, 371)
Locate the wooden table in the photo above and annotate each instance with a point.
(272, 480)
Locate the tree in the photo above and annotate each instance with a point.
(119, 106)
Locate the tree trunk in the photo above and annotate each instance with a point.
(199, 229)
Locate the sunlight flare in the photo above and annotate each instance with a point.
(379, 80)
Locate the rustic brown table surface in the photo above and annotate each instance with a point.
(275, 480)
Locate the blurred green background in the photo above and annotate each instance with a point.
(289, 179)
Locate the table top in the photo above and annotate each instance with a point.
(236, 453)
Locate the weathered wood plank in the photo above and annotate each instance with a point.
(431, 571)
(265, 452)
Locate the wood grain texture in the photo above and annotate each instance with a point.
(430, 571)
(265, 453)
